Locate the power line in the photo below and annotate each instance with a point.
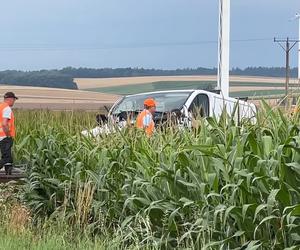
(61, 47)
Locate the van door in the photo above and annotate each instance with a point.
(200, 106)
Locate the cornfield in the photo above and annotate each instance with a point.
(219, 186)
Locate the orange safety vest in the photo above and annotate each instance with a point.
(11, 122)
(140, 122)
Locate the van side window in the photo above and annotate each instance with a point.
(200, 106)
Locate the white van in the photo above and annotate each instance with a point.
(184, 104)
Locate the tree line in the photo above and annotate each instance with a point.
(131, 72)
(64, 78)
(42, 78)
(264, 71)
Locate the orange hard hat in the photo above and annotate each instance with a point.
(150, 102)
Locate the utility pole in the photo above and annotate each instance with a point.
(298, 17)
(223, 47)
(287, 48)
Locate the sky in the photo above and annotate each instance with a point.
(165, 34)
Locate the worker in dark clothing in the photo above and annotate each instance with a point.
(7, 131)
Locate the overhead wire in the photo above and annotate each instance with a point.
(67, 47)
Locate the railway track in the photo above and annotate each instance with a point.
(17, 175)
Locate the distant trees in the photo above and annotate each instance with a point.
(264, 71)
(131, 72)
(64, 78)
(42, 78)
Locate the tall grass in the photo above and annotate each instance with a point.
(220, 186)
(19, 231)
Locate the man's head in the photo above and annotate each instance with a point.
(150, 104)
(10, 98)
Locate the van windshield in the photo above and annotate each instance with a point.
(165, 101)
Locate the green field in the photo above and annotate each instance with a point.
(254, 93)
(167, 85)
(220, 185)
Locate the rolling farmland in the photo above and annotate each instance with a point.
(239, 86)
(193, 155)
(236, 88)
(93, 94)
(88, 83)
(58, 99)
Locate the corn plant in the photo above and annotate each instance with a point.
(221, 186)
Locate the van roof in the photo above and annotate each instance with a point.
(166, 91)
(211, 93)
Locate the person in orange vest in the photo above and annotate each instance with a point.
(145, 119)
(7, 131)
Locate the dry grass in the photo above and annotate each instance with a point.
(13, 214)
(19, 218)
(84, 198)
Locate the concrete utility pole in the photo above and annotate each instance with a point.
(223, 47)
(298, 17)
(287, 48)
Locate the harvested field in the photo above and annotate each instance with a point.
(94, 93)
(236, 88)
(58, 99)
(88, 83)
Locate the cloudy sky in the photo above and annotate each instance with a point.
(168, 34)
